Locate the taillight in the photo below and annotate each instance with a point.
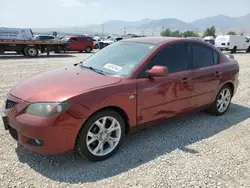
(228, 43)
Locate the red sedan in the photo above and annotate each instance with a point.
(90, 106)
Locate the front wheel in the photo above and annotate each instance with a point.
(222, 101)
(101, 135)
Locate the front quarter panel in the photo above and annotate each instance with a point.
(122, 95)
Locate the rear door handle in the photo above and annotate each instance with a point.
(185, 80)
(217, 74)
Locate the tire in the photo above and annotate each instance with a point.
(31, 51)
(23, 52)
(214, 109)
(234, 50)
(96, 46)
(80, 51)
(88, 49)
(101, 137)
(248, 50)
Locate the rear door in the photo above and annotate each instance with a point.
(82, 43)
(207, 73)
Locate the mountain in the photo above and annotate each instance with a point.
(170, 23)
(116, 25)
(154, 27)
(223, 22)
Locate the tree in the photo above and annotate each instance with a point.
(231, 33)
(166, 33)
(176, 33)
(190, 34)
(210, 32)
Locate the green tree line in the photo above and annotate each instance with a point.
(208, 32)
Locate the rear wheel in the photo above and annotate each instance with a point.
(88, 49)
(222, 101)
(248, 50)
(234, 50)
(96, 46)
(101, 135)
(31, 51)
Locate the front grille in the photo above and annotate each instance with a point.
(13, 133)
(10, 104)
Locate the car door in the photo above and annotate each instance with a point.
(73, 44)
(163, 97)
(207, 73)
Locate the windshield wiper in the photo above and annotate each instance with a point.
(93, 69)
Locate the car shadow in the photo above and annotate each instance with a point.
(17, 56)
(138, 149)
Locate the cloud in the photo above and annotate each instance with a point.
(72, 3)
(97, 5)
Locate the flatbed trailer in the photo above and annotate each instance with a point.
(31, 48)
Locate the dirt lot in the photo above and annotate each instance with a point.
(197, 150)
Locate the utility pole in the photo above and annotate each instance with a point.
(102, 30)
(142, 32)
(152, 32)
(162, 28)
(124, 30)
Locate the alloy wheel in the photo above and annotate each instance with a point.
(223, 100)
(103, 136)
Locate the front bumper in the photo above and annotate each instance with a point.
(57, 133)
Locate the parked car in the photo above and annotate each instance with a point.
(78, 43)
(96, 43)
(209, 39)
(90, 106)
(106, 42)
(232, 43)
(46, 38)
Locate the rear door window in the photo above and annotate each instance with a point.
(203, 56)
(82, 39)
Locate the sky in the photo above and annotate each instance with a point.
(68, 13)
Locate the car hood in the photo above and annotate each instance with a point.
(60, 84)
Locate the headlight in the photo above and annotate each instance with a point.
(46, 109)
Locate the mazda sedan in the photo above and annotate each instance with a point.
(90, 106)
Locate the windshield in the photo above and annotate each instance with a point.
(120, 58)
(65, 39)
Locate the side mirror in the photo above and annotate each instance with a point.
(157, 71)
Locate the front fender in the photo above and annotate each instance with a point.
(124, 97)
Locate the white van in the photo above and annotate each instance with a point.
(232, 43)
(7, 33)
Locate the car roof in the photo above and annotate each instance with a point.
(154, 40)
(78, 36)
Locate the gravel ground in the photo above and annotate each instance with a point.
(197, 150)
